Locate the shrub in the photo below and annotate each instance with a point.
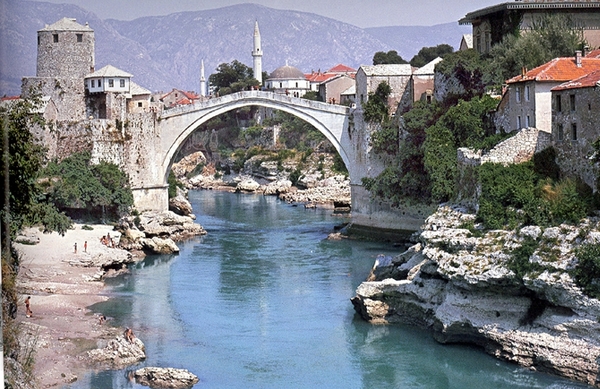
(520, 263)
(587, 272)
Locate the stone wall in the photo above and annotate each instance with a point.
(574, 150)
(65, 96)
(517, 149)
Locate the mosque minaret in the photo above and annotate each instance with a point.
(257, 54)
(202, 80)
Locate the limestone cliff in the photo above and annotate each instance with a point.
(459, 283)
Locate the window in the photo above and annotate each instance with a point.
(518, 122)
(79, 38)
(518, 94)
(560, 132)
(99, 83)
(572, 102)
(122, 83)
(558, 103)
(139, 104)
(527, 122)
(55, 38)
(527, 93)
(93, 83)
(38, 40)
(574, 131)
(280, 85)
(111, 83)
(296, 85)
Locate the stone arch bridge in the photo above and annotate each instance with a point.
(173, 126)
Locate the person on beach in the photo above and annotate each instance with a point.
(102, 319)
(75, 247)
(28, 312)
(85, 246)
(129, 335)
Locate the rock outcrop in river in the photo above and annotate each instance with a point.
(118, 353)
(461, 286)
(161, 377)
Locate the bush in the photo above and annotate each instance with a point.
(520, 263)
(516, 195)
(174, 183)
(587, 272)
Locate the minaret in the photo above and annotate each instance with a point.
(202, 80)
(257, 54)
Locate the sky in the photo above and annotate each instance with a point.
(361, 13)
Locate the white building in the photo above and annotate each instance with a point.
(108, 79)
(288, 80)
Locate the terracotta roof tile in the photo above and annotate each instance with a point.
(341, 68)
(559, 70)
(593, 54)
(588, 81)
(319, 77)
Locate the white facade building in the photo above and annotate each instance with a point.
(108, 79)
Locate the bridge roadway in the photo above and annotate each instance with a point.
(174, 126)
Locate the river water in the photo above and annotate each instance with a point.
(263, 301)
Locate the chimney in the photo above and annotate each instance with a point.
(578, 58)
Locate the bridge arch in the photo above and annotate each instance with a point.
(330, 120)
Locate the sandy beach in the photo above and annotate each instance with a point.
(62, 284)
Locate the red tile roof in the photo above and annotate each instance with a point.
(559, 70)
(319, 77)
(189, 95)
(6, 98)
(593, 54)
(340, 68)
(587, 81)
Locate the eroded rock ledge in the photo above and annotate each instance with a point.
(160, 377)
(461, 287)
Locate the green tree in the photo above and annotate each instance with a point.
(466, 124)
(428, 54)
(233, 77)
(25, 158)
(376, 108)
(391, 57)
(75, 186)
(468, 69)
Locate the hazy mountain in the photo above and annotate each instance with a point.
(165, 51)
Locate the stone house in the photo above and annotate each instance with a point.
(575, 119)
(348, 97)
(528, 98)
(317, 78)
(398, 77)
(466, 42)
(330, 90)
(423, 81)
(491, 24)
(179, 97)
(111, 94)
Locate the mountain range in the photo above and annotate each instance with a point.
(164, 52)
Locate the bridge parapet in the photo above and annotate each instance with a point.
(258, 96)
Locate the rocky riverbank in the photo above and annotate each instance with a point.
(315, 184)
(66, 338)
(458, 281)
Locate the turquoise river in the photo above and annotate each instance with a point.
(263, 301)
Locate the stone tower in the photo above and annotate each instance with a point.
(202, 80)
(65, 50)
(257, 54)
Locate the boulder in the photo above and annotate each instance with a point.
(180, 205)
(247, 185)
(278, 187)
(118, 353)
(29, 239)
(160, 377)
(158, 245)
